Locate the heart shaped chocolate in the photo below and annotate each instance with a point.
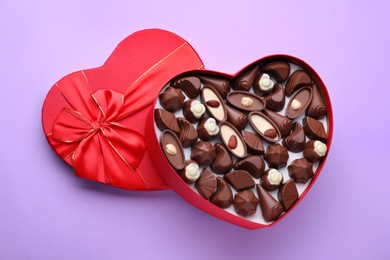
(277, 95)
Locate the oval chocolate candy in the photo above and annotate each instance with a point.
(299, 102)
(245, 101)
(172, 149)
(232, 139)
(265, 127)
(214, 103)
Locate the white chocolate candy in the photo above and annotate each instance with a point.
(274, 177)
(246, 101)
(296, 105)
(226, 132)
(192, 171)
(171, 149)
(320, 148)
(211, 126)
(197, 108)
(263, 124)
(265, 82)
(217, 112)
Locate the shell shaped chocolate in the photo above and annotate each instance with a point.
(206, 184)
(253, 164)
(295, 142)
(317, 108)
(188, 134)
(165, 120)
(276, 100)
(239, 180)
(280, 70)
(189, 85)
(223, 196)
(223, 163)
(297, 80)
(253, 142)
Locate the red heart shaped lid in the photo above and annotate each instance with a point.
(95, 119)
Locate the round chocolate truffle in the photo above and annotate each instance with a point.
(193, 110)
(207, 129)
(314, 150)
(190, 172)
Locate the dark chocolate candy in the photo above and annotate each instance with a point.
(245, 101)
(276, 156)
(235, 117)
(253, 142)
(271, 180)
(214, 103)
(314, 129)
(193, 110)
(171, 99)
(253, 164)
(314, 151)
(232, 139)
(206, 184)
(190, 172)
(299, 102)
(283, 123)
(264, 126)
(189, 85)
(220, 84)
(301, 170)
(263, 84)
(245, 80)
(245, 203)
(223, 163)
(203, 153)
(276, 100)
(280, 70)
(270, 207)
(188, 134)
(223, 197)
(295, 142)
(288, 195)
(207, 129)
(317, 108)
(172, 148)
(165, 120)
(297, 80)
(239, 180)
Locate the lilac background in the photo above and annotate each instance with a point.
(47, 213)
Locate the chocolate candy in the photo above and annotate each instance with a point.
(203, 153)
(264, 126)
(297, 80)
(253, 164)
(193, 110)
(263, 84)
(237, 118)
(314, 151)
(245, 203)
(314, 129)
(214, 103)
(239, 180)
(172, 148)
(270, 207)
(301, 170)
(276, 100)
(223, 197)
(288, 195)
(190, 172)
(271, 180)
(220, 84)
(245, 80)
(206, 184)
(165, 120)
(253, 142)
(276, 156)
(295, 142)
(317, 108)
(299, 102)
(278, 69)
(172, 99)
(207, 129)
(223, 163)
(245, 101)
(187, 135)
(189, 85)
(232, 139)
(283, 123)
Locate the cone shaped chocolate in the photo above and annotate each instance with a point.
(220, 84)
(282, 122)
(236, 117)
(270, 207)
(245, 80)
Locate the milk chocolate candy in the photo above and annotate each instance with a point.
(270, 207)
(239, 180)
(299, 102)
(189, 85)
(220, 84)
(297, 80)
(283, 123)
(253, 142)
(237, 118)
(314, 151)
(203, 153)
(188, 134)
(295, 142)
(276, 156)
(317, 108)
(253, 164)
(301, 170)
(288, 195)
(223, 197)
(232, 139)
(171, 99)
(244, 100)
(314, 129)
(276, 100)
(207, 129)
(245, 203)
(264, 126)
(263, 84)
(206, 184)
(172, 149)
(271, 180)
(214, 103)
(245, 80)
(280, 70)
(223, 163)
(193, 110)
(190, 172)
(165, 120)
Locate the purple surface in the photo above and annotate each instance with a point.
(47, 213)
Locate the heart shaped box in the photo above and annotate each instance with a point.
(171, 177)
